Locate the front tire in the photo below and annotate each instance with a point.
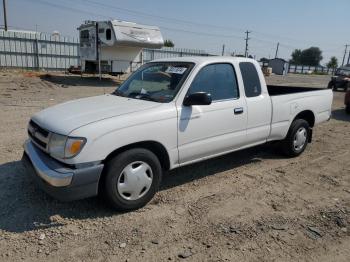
(330, 85)
(297, 138)
(132, 178)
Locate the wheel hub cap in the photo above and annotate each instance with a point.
(300, 138)
(135, 180)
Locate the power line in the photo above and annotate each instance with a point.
(138, 13)
(199, 33)
(186, 22)
(75, 10)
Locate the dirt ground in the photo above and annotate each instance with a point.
(253, 205)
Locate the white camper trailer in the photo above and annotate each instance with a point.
(115, 45)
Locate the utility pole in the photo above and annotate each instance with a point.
(346, 50)
(5, 16)
(348, 59)
(246, 43)
(278, 44)
(223, 50)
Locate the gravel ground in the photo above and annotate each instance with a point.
(253, 205)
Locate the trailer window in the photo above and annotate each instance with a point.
(251, 79)
(108, 34)
(84, 34)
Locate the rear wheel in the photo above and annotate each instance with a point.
(132, 179)
(297, 138)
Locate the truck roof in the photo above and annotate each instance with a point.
(205, 59)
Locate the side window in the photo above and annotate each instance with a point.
(108, 34)
(219, 80)
(251, 79)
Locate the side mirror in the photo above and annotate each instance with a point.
(197, 99)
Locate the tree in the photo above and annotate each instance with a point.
(264, 60)
(296, 57)
(333, 62)
(169, 43)
(311, 56)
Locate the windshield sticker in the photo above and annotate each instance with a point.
(176, 70)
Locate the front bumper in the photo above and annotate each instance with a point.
(59, 181)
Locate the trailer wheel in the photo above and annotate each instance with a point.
(297, 138)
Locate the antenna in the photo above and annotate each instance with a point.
(246, 43)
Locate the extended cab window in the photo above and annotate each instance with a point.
(219, 80)
(251, 79)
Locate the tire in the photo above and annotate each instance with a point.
(347, 109)
(142, 169)
(297, 138)
(330, 85)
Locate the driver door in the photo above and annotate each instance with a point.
(208, 130)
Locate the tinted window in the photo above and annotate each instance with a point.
(251, 79)
(108, 34)
(219, 80)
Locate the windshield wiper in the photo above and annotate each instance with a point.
(118, 93)
(148, 98)
(142, 96)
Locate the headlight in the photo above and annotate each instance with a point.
(56, 145)
(65, 147)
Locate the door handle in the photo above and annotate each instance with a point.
(238, 110)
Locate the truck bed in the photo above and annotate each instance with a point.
(288, 100)
(275, 90)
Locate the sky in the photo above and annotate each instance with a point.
(204, 24)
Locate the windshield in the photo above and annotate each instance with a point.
(157, 82)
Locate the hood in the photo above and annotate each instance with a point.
(64, 118)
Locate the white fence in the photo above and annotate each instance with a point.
(40, 51)
(37, 51)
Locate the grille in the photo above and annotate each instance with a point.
(38, 135)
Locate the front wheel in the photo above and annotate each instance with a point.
(297, 138)
(132, 179)
(330, 85)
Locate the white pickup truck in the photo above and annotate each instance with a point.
(169, 113)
